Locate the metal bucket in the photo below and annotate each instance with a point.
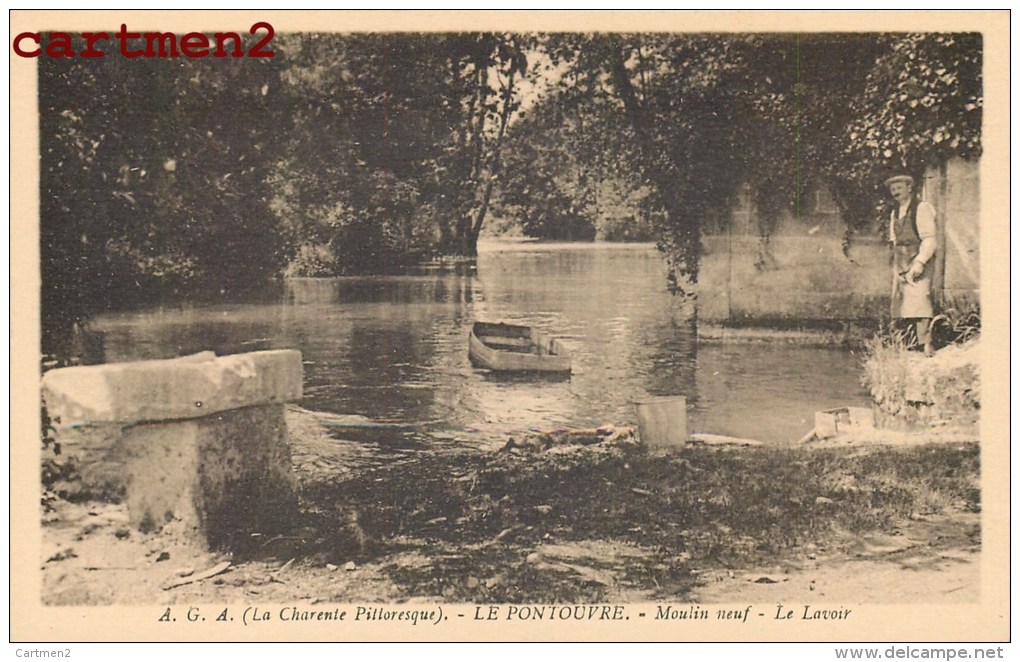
(662, 422)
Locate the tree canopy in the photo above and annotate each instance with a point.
(164, 179)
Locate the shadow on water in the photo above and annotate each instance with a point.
(522, 377)
(386, 439)
(376, 290)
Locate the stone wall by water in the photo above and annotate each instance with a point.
(800, 272)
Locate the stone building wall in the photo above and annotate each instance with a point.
(800, 273)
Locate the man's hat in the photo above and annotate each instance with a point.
(899, 178)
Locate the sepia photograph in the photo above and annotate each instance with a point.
(406, 326)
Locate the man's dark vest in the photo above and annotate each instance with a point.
(906, 227)
(908, 240)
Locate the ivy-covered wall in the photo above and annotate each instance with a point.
(808, 269)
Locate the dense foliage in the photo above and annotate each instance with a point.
(685, 121)
(169, 179)
(152, 183)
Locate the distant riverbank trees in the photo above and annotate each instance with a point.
(166, 180)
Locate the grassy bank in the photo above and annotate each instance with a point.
(548, 521)
(587, 524)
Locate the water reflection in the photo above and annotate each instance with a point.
(394, 348)
(381, 290)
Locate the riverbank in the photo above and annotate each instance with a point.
(563, 519)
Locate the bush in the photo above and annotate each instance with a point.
(887, 369)
(910, 387)
(312, 261)
(959, 321)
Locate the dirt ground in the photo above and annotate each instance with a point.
(90, 560)
(893, 519)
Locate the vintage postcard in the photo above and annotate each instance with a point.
(509, 326)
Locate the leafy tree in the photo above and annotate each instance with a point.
(547, 188)
(917, 105)
(153, 183)
(421, 116)
(370, 143)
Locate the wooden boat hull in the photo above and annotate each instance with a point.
(515, 348)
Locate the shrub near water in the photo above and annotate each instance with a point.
(886, 371)
(915, 389)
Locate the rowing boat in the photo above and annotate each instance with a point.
(516, 348)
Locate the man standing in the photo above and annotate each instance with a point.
(914, 242)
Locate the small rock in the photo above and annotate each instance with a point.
(331, 567)
(436, 520)
(505, 533)
(823, 500)
(350, 565)
(472, 582)
(606, 429)
(761, 579)
(812, 557)
(544, 509)
(121, 534)
(63, 555)
(638, 490)
(534, 557)
(163, 556)
(184, 572)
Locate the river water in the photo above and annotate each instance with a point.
(394, 348)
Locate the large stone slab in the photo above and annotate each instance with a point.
(185, 388)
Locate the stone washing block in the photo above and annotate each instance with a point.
(189, 387)
(215, 480)
(662, 422)
(196, 447)
(831, 422)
